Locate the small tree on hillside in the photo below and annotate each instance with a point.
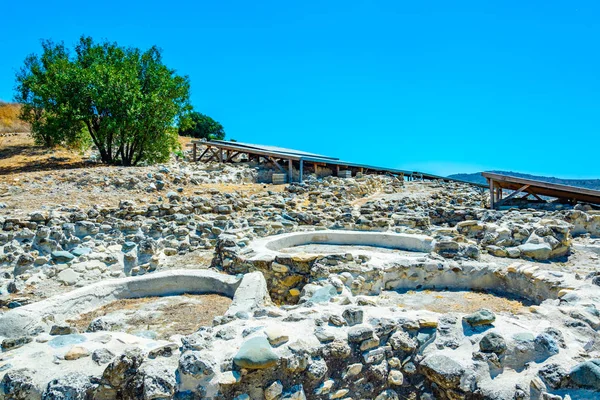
(202, 127)
(126, 100)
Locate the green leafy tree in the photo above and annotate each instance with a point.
(202, 126)
(39, 90)
(125, 100)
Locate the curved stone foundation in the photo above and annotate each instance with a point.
(520, 281)
(398, 241)
(516, 281)
(248, 292)
(287, 274)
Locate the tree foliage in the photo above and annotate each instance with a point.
(202, 126)
(125, 100)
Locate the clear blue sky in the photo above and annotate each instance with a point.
(440, 86)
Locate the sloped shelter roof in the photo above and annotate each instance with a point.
(541, 188)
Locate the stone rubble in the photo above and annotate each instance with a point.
(325, 336)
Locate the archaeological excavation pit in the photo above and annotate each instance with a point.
(367, 263)
(154, 317)
(171, 302)
(335, 242)
(459, 301)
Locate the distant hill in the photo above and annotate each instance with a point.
(584, 183)
(9, 118)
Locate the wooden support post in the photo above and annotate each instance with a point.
(337, 170)
(230, 158)
(291, 171)
(203, 153)
(492, 194)
(537, 197)
(213, 155)
(301, 170)
(316, 169)
(220, 155)
(277, 164)
(513, 194)
(194, 151)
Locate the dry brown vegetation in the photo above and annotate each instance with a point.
(19, 153)
(9, 118)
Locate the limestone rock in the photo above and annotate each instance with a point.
(229, 378)
(324, 335)
(395, 378)
(402, 341)
(387, 395)
(62, 330)
(295, 393)
(324, 294)
(537, 251)
(317, 369)
(325, 387)
(102, 356)
(123, 368)
(276, 335)
(193, 364)
(62, 256)
(353, 316)
(586, 374)
(13, 343)
(273, 391)
(73, 386)
(554, 375)
(68, 277)
(442, 370)
(360, 333)
(76, 352)
(493, 342)
(18, 384)
(256, 353)
(353, 370)
(480, 317)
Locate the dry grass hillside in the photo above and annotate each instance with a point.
(20, 154)
(9, 118)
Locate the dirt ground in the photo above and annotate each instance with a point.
(32, 178)
(198, 259)
(164, 315)
(450, 301)
(19, 154)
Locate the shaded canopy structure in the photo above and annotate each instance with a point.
(564, 193)
(222, 151)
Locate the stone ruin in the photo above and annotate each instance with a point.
(388, 298)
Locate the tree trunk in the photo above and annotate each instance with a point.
(104, 156)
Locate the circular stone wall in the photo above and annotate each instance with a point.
(371, 272)
(398, 241)
(248, 292)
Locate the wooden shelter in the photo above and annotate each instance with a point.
(528, 187)
(288, 159)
